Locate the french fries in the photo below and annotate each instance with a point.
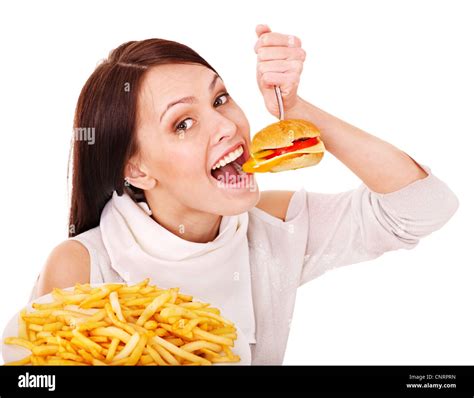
(116, 324)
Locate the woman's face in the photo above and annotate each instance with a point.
(186, 124)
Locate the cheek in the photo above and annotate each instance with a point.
(183, 162)
(159, 158)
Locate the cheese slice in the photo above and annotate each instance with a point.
(253, 164)
(263, 154)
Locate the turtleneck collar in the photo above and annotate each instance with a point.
(217, 272)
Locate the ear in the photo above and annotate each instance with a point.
(136, 177)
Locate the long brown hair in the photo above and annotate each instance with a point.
(106, 115)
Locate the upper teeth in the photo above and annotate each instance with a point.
(230, 157)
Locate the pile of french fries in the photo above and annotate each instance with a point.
(116, 324)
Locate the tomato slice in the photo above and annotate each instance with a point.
(297, 145)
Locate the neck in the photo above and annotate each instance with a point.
(189, 224)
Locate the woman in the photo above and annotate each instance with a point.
(146, 201)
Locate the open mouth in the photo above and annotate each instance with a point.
(231, 174)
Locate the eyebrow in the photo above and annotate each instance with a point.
(189, 100)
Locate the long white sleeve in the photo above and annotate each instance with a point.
(360, 225)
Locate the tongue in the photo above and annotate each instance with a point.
(225, 172)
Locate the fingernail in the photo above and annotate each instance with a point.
(291, 40)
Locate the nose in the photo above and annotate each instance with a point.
(224, 128)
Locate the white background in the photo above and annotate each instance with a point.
(402, 70)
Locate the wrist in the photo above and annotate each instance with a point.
(298, 111)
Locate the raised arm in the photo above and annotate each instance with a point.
(381, 166)
(398, 203)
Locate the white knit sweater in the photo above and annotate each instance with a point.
(320, 232)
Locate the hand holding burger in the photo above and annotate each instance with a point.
(287, 144)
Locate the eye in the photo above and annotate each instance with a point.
(225, 95)
(183, 126)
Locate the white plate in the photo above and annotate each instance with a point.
(15, 353)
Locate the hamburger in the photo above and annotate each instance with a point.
(285, 145)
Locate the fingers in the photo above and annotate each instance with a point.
(280, 61)
(260, 29)
(280, 66)
(269, 39)
(286, 81)
(280, 53)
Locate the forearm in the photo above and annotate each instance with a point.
(380, 165)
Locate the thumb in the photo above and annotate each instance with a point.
(261, 29)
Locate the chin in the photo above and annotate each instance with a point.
(237, 205)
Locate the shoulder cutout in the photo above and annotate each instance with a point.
(68, 264)
(275, 203)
